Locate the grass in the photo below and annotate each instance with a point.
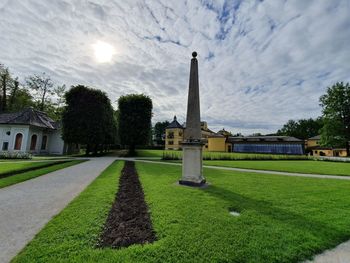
(311, 167)
(283, 219)
(23, 176)
(16, 166)
(177, 155)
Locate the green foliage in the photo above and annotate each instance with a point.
(134, 125)
(177, 155)
(159, 132)
(283, 219)
(301, 129)
(15, 155)
(336, 113)
(88, 118)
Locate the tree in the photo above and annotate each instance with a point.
(5, 82)
(159, 131)
(88, 119)
(336, 113)
(43, 87)
(134, 124)
(301, 129)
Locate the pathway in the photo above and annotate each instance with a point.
(26, 207)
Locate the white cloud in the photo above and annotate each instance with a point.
(261, 62)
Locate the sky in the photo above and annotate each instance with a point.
(261, 63)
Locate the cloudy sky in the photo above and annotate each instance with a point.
(260, 62)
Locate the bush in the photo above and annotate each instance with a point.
(177, 155)
(15, 155)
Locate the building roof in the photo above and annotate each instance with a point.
(317, 137)
(174, 124)
(264, 139)
(29, 116)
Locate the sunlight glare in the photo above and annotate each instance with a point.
(103, 51)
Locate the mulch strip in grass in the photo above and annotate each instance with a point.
(128, 221)
(31, 168)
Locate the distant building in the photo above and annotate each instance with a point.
(174, 134)
(223, 141)
(314, 149)
(32, 131)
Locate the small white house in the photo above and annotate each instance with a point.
(31, 131)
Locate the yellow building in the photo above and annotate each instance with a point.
(174, 135)
(313, 142)
(313, 146)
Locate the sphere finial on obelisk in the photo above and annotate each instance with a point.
(194, 54)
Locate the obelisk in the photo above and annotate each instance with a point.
(192, 170)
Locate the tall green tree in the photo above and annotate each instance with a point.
(159, 132)
(88, 119)
(134, 124)
(302, 129)
(336, 113)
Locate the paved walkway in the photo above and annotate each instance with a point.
(26, 207)
(339, 254)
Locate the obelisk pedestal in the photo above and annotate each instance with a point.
(192, 168)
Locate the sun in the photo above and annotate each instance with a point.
(103, 51)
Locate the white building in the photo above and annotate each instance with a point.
(31, 131)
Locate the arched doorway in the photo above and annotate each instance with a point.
(33, 142)
(18, 141)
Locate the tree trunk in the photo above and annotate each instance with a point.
(3, 92)
(13, 95)
(87, 151)
(95, 149)
(132, 151)
(43, 97)
(347, 149)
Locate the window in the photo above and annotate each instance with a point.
(44, 143)
(171, 142)
(5, 146)
(18, 141)
(180, 133)
(170, 135)
(33, 142)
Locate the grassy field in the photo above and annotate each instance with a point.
(283, 219)
(23, 176)
(310, 166)
(15, 167)
(175, 155)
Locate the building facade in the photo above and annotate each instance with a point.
(174, 135)
(314, 148)
(32, 131)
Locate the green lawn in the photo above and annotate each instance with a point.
(16, 166)
(23, 176)
(312, 167)
(283, 219)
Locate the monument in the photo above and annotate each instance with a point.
(192, 169)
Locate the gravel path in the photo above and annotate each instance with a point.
(26, 207)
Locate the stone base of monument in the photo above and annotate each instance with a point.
(192, 172)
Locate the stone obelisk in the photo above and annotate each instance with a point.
(192, 170)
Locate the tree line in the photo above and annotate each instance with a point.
(333, 125)
(37, 91)
(86, 114)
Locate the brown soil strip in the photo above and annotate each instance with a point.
(16, 172)
(128, 221)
